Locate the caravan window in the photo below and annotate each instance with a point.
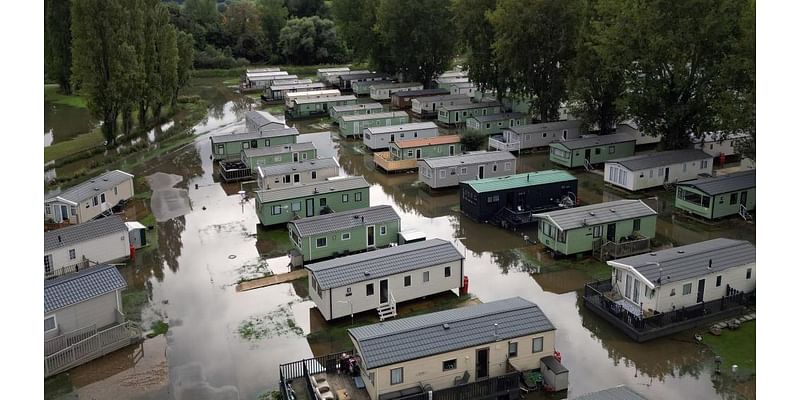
(538, 344)
(50, 323)
(396, 376)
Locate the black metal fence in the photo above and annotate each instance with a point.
(485, 389)
(311, 366)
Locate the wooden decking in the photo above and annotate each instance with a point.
(271, 280)
(384, 160)
(81, 346)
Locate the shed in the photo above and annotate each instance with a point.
(440, 172)
(457, 114)
(648, 170)
(279, 206)
(495, 123)
(341, 233)
(515, 197)
(381, 137)
(300, 172)
(352, 125)
(384, 91)
(533, 136)
(428, 106)
(612, 229)
(90, 198)
(402, 100)
(556, 376)
(75, 247)
(718, 196)
(337, 112)
(591, 149)
(137, 233)
(684, 276)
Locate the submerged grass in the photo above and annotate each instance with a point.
(736, 347)
(79, 143)
(158, 328)
(57, 387)
(595, 269)
(51, 94)
(273, 242)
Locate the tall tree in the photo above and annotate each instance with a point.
(355, 20)
(477, 35)
(100, 58)
(202, 11)
(273, 18)
(596, 81)
(58, 43)
(310, 40)
(675, 54)
(166, 51)
(242, 23)
(535, 41)
(419, 53)
(306, 8)
(185, 44)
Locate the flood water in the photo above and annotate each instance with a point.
(63, 122)
(224, 344)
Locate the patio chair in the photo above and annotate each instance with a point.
(460, 380)
(324, 396)
(321, 386)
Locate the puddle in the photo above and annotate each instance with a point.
(63, 122)
(168, 202)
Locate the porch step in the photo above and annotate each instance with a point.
(387, 311)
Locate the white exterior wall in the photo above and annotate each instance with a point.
(99, 311)
(663, 301)
(715, 148)
(451, 176)
(278, 181)
(386, 93)
(102, 249)
(382, 140)
(423, 104)
(429, 371)
(541, 139)
(361, 302)
(86, 210)
(321, 298)
(467, 90)
(653, 177)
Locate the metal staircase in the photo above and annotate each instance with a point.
(387, 310)
(744, 213)
(587, 164)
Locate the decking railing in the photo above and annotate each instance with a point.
(642, 328)
(92, 346)
(316, 365)
(78, 266)
(384, 160)
(502, 145)
(490, 388)
(605, 249)
(65, 340)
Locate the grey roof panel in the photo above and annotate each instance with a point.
(296, 85)
(362, 106)
(279, 149)
(312, 189)
(724, 183)
(660, 159)
(621, 392)
(339, 221)
(300, 166)
(86, 231)
(86, 189)
(686, 262)
(262, 118)
(469, 106)
(546, 126)
(71, 289)
(432, 99)
(238, 137)
(422, 92)
(412, 126)
(499, 117)
(596, 214)
(595, 141)
(363, 117)
(324, 99)
(468, 158)
(412, 338)
(554, 365)
(375, 264)
(396, 85)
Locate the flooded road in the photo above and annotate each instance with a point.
(224, 344)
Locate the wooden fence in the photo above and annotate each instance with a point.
(96, 345)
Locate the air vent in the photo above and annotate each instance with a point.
(446, 326)
(366, 273)
(681, 251)
(652, 254)
(591, 213)
(613, 210)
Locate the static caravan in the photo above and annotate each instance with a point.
(632, 128)
(427, 107)
(302, 108)
(352, 125)
(518, 195)
(279, 206)
(717, 144)
(277, 92)
(403, 154)
(609, 230)
(261, 70)
(718, 196)
(291, 97)
(261, 80)
(448, 171)
(83, 318)
(336, 234)
(684, 276)
(261, 121)
(362, 88)
(346, 81)
(337, 112)
(591, 150)
(465, 88)
(296, 173)
(76, 247)
(380, 137)
(534, 136)
(448, 81)
(377, 280)
(89, 199)
(278, 154)
(644, 171)
(469, 347)
(493, 124)
(402, 100)
(332, 78)
(322, 73)
(230, 146)
(457, 114)
(384, 91)
(288, 79)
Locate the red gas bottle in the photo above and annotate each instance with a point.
(464, 287)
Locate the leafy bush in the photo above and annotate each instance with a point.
(472, 140)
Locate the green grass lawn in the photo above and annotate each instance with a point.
(51, 94)
(736, 347)
(75, 145)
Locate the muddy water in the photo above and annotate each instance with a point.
(224, 344)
